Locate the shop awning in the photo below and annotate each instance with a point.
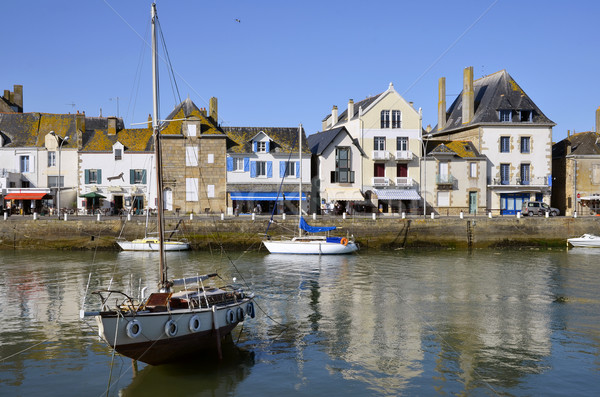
(344, 194)
(397, 194)
(266, 196)
(92, 195)
(25, 196)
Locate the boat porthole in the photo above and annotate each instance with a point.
(240, 314)
(230, 316)
(133, 329)
(250, 309)
(171, 328)
(194, 324)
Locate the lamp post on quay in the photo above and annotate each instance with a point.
(60, 142)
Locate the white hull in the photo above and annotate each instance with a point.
(143, 335)
(309, 247)
(587, 240)
(152, 245)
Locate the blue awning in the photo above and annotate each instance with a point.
(266, 196)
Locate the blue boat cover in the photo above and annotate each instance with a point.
(314, 229)
(334, 240)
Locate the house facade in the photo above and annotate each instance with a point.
(388, 130)
(576, 173)
(336, 172)
(505, 126)
(265, 172)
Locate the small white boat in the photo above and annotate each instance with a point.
(587, 240)
(313, 245)
(152, 244)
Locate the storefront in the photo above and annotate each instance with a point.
(265, 202)
(92, 201)
(25, 202)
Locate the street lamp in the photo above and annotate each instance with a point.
(424, 187)
(60, 142)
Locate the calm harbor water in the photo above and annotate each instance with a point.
(510, 323)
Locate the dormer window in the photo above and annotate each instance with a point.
(505, 115)
(118, 154)
(261, 147)
(526, 115)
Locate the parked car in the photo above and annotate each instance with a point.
(532, 208)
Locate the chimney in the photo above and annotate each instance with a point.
(334, 116)
(350, 109)
(112, 126)
(598, 120)
(80, 121)
(149, 121)
(212, 109)
(468, 99)
(441, 103)
(18, 96)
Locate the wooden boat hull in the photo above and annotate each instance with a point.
(316, 247)
(164, 337)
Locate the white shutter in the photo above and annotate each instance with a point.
(191, 189)
(191, 157)
(210, 191)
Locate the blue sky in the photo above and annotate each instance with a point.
(289, 62)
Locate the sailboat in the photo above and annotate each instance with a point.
(309, 244)
(184, 316)
(149, 243)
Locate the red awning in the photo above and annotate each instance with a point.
(24, 196)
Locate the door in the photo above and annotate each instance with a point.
(472, 202)
(168, 199)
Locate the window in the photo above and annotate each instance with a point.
(472, 170)
(191, 189)
(525, 174)
(504, 144)
(443, 199)
(396, 119)
(525, 147)
(24, 164)
(191, 130)
(385, 119)
(526, 115)
(191, 157)
(92, 176)
(238, 164)
(51, 159)
(504, 174)
(53, 181)
(402, 170)
(505, 115)
(596, 174)
(289, 168)
(402, 143)
(118, 154)
(342, 173)
(379, 170)
(379, 143)
(139, 176)
(261, 168)
(261, 147)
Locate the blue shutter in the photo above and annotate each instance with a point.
(246, 164)
(267, 146)
(254, 146)
(87, 177)
(297, 169)
(131, 177)
(269, 169)
(253, 169)
(99, 176)
(229, 163)
(144, 176)
(282, 169)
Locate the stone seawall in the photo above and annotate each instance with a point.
(243, 233)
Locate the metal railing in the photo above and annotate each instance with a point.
(381, 155)
(379, 181)
(404, 155)
(404, 181)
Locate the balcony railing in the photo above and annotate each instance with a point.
(379, 181)
(404, 181)
(445, 179)
(381, 155)
(517, 181)
(406, 155)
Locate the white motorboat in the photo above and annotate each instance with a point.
(586, 240)
(184, 316)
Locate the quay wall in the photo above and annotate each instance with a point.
(243, 233)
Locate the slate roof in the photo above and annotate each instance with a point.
(187, 109)
(582, 144)
(365, 103)
(463, 149)
(30, 129)
(498, 91)
(285, 139)
(321, 140)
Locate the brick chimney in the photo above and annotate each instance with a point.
(212, 109)
(441, 103)
(112, 126)
(149, 121)
(334, 115)
(17, 97)
(350, 109)
(468, 99)
(80, 121)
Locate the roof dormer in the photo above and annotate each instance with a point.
(118, 150)
(261, 143)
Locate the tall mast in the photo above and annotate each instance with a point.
(300, 183)
(158, 157)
